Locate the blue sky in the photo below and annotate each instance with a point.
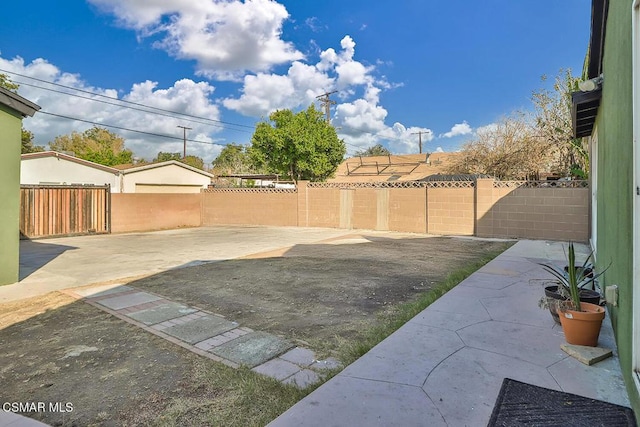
(445, 68)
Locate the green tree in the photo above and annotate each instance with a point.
(301, 146)
(27, 143)
(190, 160)
(376, 150)
(553, 123)
(194, 161)
(27, 136)
(165, 157)
(233, 159)
(97, 145)
(6, 83)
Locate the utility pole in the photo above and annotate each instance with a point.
(326, 103)
(419, 139)
(184, 138)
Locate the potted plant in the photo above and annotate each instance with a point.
(581, 321)
(559, 290)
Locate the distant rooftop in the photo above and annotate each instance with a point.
(407, 167)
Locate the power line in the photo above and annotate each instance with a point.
(419, 133)
(184, 133)
(126, 129)
(122, 100)
(130, 107)
(324, 99)
(327, 103)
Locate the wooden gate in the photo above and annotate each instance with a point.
(64, 210)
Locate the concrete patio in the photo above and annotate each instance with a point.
(445, 366)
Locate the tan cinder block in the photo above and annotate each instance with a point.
(365, 208)
(408, 210)
(148, 211)
(251, 208)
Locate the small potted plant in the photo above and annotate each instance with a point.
(559, 290)
(581, 321)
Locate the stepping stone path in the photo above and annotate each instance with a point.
(208, 334)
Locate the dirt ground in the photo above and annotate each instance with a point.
(56, 349)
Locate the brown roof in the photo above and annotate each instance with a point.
(407, 167)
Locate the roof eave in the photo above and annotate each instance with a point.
(584, 110)
(17, 103)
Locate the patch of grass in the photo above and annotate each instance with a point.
(392, 320)
(217, 395)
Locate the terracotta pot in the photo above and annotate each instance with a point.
(586, 295)
(582, 327)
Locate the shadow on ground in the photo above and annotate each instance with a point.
(36, 254)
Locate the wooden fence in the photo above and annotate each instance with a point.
(47, 211)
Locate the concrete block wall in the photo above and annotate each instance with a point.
(323, 207)
(144, 212)
(408, 209)
(451, 211)
(486, 210)
(532, 213)
(249, 207)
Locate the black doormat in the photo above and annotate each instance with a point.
(521, 404)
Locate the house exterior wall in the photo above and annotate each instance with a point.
(11, 124)
(171, 177)
(614, 125)
(59, 171)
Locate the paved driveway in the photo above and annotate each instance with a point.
(53, 264)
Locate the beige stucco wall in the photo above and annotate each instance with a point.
(59, 171)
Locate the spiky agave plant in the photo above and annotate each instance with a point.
(575, 279)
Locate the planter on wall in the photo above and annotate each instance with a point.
(582, 327)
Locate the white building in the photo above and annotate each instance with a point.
(165, 177)
(53, 168)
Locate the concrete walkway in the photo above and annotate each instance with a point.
(445, 367)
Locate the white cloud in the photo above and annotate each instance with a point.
(185, 96)
(314, 24)
(438, 150)
(457, 130)
(265, 93)
(403, 140)
(491, 127)
(225, 38)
